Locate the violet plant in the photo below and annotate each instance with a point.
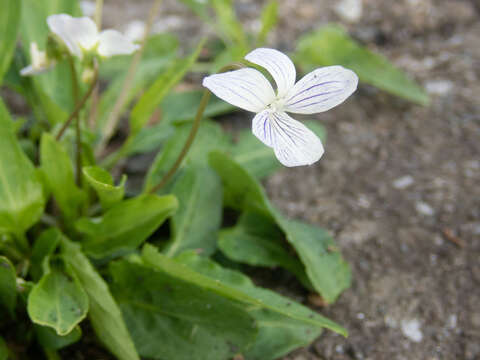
(148, 268)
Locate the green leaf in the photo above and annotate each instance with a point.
(43, 247)
(154, 95)
(126, 225)
(331, 45)
(327, 271)
(257, 241)
(210, 136)
(228, 23)
(49, 339)
(195, 224)
(258, 159)
(102, 182)
(104, 314)
(58, 301)
(21, 197)
(9, 21)
(3, 349)
(8, 285)
(325, 267)
(56, 83)
(269, 20)
(283, 323)
(182, 106)
(57, 170)
(172, 312)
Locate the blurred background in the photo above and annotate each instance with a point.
(399, 184)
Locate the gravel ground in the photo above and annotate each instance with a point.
(399, 183)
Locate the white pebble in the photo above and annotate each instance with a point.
(424, 209)
(349, 10)
(439, 87)
(403, 182)
(411, 329)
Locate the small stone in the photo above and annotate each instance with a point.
(439, 87)
(403, 182)
(339, 349)
(424, 209)
(349, 10)
(411, 329)
(452, 321)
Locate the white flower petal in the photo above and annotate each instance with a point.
(321, 90)
(113, 43)
(246, 88)
(293, 143)
(278, 65)
(76, 33)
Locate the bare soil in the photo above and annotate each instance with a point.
(398, 185)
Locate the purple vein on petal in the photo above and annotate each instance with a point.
(311, 87)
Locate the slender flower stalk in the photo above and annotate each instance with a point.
(78, 132)
(79, 105)
(320, 90)
(191, 137)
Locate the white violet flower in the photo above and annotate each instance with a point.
(40, 61)
(81, 35)
(320, 90)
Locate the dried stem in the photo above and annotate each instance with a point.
(114, 118)
(79, 105)
(193, 132)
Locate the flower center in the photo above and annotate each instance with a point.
(277, 105)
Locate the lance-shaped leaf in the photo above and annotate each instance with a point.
(21, 197)
(331, 45)
(58, 301)
(258, 159)
(126, 225)
(9, 21)
(269, 20)
(102, 182)
(154, 95)
(183, 106)
(283, 323)
(326, 269)
(8, 285)
(194, 226)
(57, 170)
(172, 313)
(104, 314)
(257, 241)
(210, 136)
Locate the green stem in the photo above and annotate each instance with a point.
(188, 143)
(193, 132)
(79, 106)
(78, 130)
